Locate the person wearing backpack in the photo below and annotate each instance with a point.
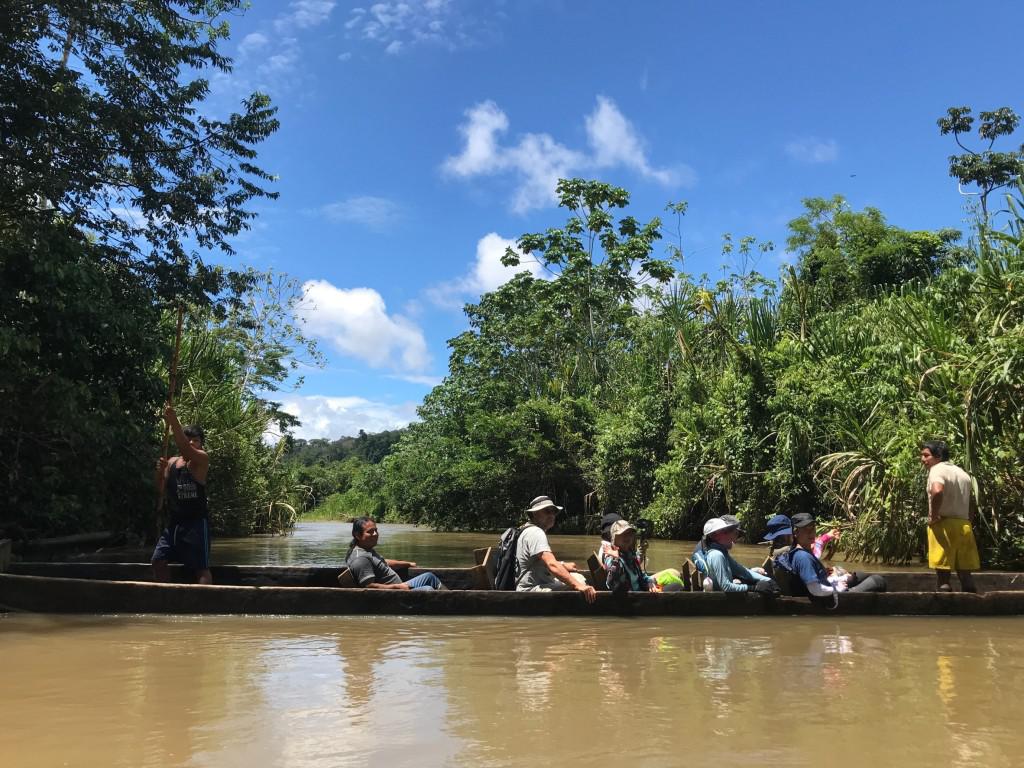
(779, 535)
(722, 568)
(539, 570)
(809, 578)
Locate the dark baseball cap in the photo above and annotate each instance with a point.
(802, 519)
(732, 520)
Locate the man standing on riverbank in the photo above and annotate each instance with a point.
(539, 570)
(186, 539)
(951, 508)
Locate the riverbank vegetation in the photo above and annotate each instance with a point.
(615, 381)
(677, 397)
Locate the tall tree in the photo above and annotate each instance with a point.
(103, 130)
(984, 168)
(114, 181)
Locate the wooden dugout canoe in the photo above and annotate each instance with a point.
(97, 588)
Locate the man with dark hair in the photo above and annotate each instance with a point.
(186, 539)
(951, 508)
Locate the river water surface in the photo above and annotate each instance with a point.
(387, 691)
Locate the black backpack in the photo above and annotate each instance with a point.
(506, 574)
(786, 577)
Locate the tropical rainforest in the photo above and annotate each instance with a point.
(615, 381)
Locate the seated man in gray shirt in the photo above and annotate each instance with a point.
(539, 570)
(371, 570)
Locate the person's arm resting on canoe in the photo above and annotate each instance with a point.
(560, 572)
(740, 571)
(806, 572)
(364, 575)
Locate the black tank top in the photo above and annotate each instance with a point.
(186, 497)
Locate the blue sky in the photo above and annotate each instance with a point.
(418, 138)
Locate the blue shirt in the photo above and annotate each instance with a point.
(807, 567)
(722, 569)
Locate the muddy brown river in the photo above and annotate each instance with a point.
(386, 691)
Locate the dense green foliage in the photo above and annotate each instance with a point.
(335, 479)
(370, 447)
(114, 181)
(677, 398)
(619, 378)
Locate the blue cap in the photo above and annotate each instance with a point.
(779, 525)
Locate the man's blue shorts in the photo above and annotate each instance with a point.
(187, 542)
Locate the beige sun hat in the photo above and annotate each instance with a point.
(542, 502)
(619, 527)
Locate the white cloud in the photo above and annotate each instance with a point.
(488, 271)
(614, 141)
(813, 150)
(252, 42)
(399, 25)
(427, 381)
(485, 274)
(334, 417)
(539, 160)
(345, 56)
(356, 321)
(283, 60)
(481, 153)
(374, 212)
(303, 14)
(268, 59)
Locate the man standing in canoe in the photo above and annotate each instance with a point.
(951, 508)
(186, 539)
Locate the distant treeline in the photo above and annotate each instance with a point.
(370, 447)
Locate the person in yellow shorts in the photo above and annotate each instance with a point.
(951, 507)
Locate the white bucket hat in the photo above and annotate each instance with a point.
(716, 524)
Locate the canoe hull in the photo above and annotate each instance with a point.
(46, 594)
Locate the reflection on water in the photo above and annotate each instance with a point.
(391, 691)
(387, 691)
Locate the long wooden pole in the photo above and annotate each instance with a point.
(172, 386)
